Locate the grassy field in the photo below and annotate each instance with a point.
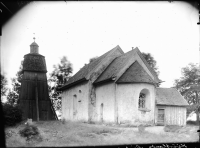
(57, 133)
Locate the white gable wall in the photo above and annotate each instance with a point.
(75, 108)
(128, 97)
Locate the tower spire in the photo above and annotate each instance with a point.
(34, 47)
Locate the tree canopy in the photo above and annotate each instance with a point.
(151, 61)
(189, 86)
(92, 59)
(58, 77)
(13, 93)
(4, 82)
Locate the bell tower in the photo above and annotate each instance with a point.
(34, 97)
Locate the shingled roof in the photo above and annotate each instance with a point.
(87, 69)
(169, 96)
(147, 65)
(135, 74)
(114, 69)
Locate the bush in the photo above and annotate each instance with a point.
(12, 114)
(29, 131)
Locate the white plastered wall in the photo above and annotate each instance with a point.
(105, 94)
(128, 97)
(70, 103)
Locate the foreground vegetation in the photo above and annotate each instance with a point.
(57, 133)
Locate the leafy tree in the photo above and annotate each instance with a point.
(58, 78)
(3, 85)
(92, 59)
(12, 97)
(189, 86)
(13, 94)
(151, 61)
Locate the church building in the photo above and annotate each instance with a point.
(121, 88)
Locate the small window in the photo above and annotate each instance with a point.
(141, 102)
(75, 96)
(79, 91)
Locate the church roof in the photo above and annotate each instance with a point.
(115, 65)
(112, 70)
(135, 74)
(85, 72)
(169, 96)
(115, 69)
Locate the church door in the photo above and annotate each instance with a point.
(74, 107)
(161, 116)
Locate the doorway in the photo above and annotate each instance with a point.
(74, 107)
(101, 112)
(161, 117)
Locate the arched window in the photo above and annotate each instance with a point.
(141, 103)
(144, 101)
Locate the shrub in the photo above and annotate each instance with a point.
(29, 131)
(12, 114)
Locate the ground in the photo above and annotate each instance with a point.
(57, 133)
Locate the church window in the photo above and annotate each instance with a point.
(141, 102)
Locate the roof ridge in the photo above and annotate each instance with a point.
(147, 65)
(106, 54)
(128, 63)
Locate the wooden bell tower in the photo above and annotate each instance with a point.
(34, 97)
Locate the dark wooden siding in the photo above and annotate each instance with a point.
(28, 97)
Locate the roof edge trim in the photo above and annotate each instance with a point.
(71, 84)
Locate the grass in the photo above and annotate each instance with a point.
(57, 133)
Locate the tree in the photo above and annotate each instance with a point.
(13, 94)
(189, 87)
(3, 85)
(151, 61)
(58, 78)
(93, 59)
(12, 97)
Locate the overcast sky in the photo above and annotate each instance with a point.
(82, 30)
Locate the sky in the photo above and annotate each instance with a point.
(82, 30)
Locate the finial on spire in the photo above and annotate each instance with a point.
(34, 46)
(34, 36)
